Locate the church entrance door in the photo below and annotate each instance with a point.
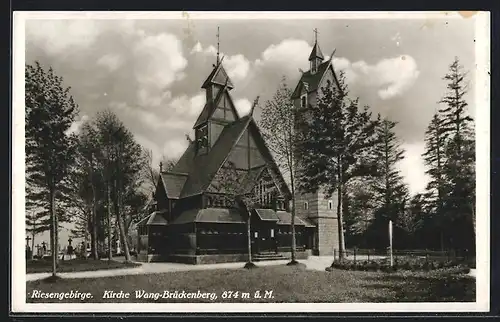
(266, 240)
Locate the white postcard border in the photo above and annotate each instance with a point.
(482, 101)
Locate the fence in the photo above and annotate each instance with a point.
(361, 255)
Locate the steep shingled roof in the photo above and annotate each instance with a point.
(173, 183)
(218, 76)
(204, 167)
(210, 215)
(312, 80)
(285, 218)
(316, 52)
(211, 106)
(267, 214)
(154, 219)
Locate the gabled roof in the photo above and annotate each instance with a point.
(285, 218)
(312, 80)
(202, 168)
(210, 215)
(211, 106)
(275, 171)
(173, 183)
(154, 219)
(218, 76)
(267, 214)
(316, 52)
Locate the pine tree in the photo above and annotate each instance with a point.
(459, 168)
(334, 141)
(360, 206)
(390, 190)
(50, 111)
(435, 159)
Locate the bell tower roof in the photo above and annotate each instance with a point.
(316, 52)
(218, 76)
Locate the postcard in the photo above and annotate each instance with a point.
(181, 162)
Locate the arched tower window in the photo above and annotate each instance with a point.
(330, 204)
(303, 101)
(306, 205)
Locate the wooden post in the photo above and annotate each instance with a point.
(354, 255)
(390, 243)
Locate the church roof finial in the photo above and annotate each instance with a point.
(218, 45)
(255, 102)
(333, 53)
(315, 30)
(316, 51)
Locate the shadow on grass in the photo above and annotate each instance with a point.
(424, 287)
(75, 265)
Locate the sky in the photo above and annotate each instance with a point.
(150, 72)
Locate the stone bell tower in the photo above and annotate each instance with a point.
(315, 206)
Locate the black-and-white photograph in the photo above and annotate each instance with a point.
(329, 160)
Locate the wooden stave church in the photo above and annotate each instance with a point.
(189, 223)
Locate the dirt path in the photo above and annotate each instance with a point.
(313, 263)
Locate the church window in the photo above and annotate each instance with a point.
(202, 137)
(330, 204)
(306, 205)
(303, 102)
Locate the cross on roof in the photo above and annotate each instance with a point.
(315, 30)
(218, 44)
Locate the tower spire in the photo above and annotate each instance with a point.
(218, 45)
(315, 30)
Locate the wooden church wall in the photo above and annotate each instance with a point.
(245, 154)
(215, 131)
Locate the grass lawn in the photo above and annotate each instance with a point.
(74, 265)
(288, 284)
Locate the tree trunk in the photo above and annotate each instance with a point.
(110, 252)
(33, 244)
(93, 237)
(249, 238)
(340, 212)
(53, 232)
(123, 236)
(294, 241)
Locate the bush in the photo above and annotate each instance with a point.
(407, 264)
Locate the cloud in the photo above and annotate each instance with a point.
(62, 37)
(391, 76)
(110, 61)
(197, 48)
(288, 54)
(243, 106)
(172, 148)
(190, 105)
(166, 119)
(160, 62)
(175, 148)
(75, 126)
(412, 167)
(237, 66)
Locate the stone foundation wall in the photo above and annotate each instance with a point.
(212, 258)
(328, 236)
(298, 255)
